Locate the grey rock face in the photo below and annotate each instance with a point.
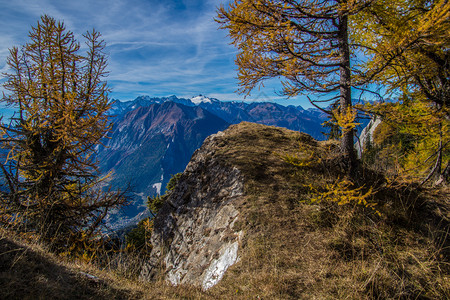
(367, 135)
(193, 239)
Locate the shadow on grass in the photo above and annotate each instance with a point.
(28, 274)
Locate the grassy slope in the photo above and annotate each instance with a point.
(291, 249)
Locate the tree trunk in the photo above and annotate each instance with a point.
(347, 147)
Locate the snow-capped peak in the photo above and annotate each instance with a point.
(199, 99)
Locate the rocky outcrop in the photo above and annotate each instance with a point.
(203, 228)
(367, 135)
(194, 240)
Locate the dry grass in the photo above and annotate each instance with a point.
(29, 271)
(294, 250)
(291, 249)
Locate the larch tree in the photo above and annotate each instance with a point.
(408, 44)
(305, 43)
(50, 179)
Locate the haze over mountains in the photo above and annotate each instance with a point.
(154, 138)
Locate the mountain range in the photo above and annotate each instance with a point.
(154, 138)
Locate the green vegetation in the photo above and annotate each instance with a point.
(138, 239)
(155, 203)
(412, 143)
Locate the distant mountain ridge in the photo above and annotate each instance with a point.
(268, 113)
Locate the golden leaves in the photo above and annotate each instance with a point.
(405, 42)
(291, 40)
(414, 137)
(343, 192)
(346, 119)
(305, 158)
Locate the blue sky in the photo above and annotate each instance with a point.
(155, 48)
